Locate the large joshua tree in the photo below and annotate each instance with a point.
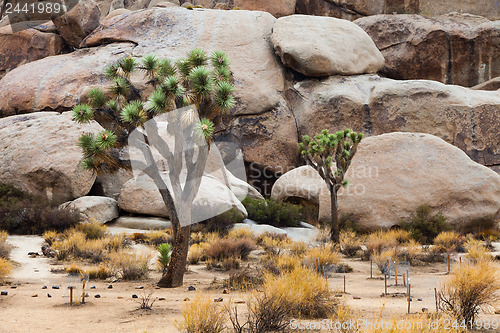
(331, 155)
(200, 86)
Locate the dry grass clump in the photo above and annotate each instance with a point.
(5, 268)
(4, 247)
(230, 248)
(297, 248)
(100, 272)
(244, 279)
(240, 233)
(74, 269)
(227, 264)
(278, 264)
(92, 230)
(326, 254)
(196, 253)
(470, 289)
(476, 251)
(130, 266)
(265, 313)
(302, 291)
(449, 241)
(350, 243)
(202, 315)
(157, 237)
(197, 237)
(381, 240)
(380, 259)
(76, 244)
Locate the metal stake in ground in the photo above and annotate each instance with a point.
(436, 298)
(71, 295)
(385, 282)
(449, 266)
(409, 297)
(371, 269)
(344, 284)
(396, 275)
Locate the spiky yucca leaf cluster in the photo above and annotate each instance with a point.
(199, 79)
(328, 149)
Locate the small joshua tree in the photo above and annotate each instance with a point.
(331, 155)
(129, 118)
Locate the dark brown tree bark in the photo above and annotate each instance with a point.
(334, 229)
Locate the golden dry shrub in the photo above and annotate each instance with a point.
(326, 254)
(195, 254)
(238, 248)
(297, 248)
(240, 233)
(51, 236)
(157, 237)
(5, 268)
(449, 241)
(304, 292)
(130, 266)
(381, 259)
(92, 229)
(4, 246)
(379, 241)
(476, 251)
(100, 272)
(470, 289)
(350, 243)
(73, 269)
(202, 315)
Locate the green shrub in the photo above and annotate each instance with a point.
(221, 223)
(423, 226)
(273, 212)
(21, 213)
(164, 258)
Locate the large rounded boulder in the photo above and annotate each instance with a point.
(39, 154)
(393, 174)
(322, 46)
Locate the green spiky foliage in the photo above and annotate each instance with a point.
(199, 79)
(331, 155)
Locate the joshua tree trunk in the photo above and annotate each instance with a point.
(174, 276)
(334, 232)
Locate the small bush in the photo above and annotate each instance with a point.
(130, 266)
(297, 248)
(202, 315)
(195, 254)
(273, 212)
(92, 230)
(231, 248)
(350, 243)
(227, 264)
(273, 244)
(278, 264)
(5, 268)
(381, 258)
(164, 258)
(4, 247)
(244, 279)
(221, 223)
(240, 233)
(265, 313)
(476, 251)
(303, 293)
(74, 269)
(51, 236)
(21, 213)
(449, 241)
(423, 226)
(470, 289)
(157, 237)
(98, 272)
(327, 255)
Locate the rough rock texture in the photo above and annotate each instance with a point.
(468, 119)
(140, 195)
(172, 32)
(276, 8)
(353, 9)
(78, 22)
(269, 139)
(453, 49)
(26, 45)
(323, 46)
(38, 153)
(384, 190)
(92, 208)
(108, 6)
(69, 76)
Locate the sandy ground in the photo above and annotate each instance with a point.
(117, 311)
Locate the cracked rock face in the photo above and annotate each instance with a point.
(466, 118)
(453, 49)
(393, 174)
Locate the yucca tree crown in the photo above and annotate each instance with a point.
(198, 79)
(327, 150)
